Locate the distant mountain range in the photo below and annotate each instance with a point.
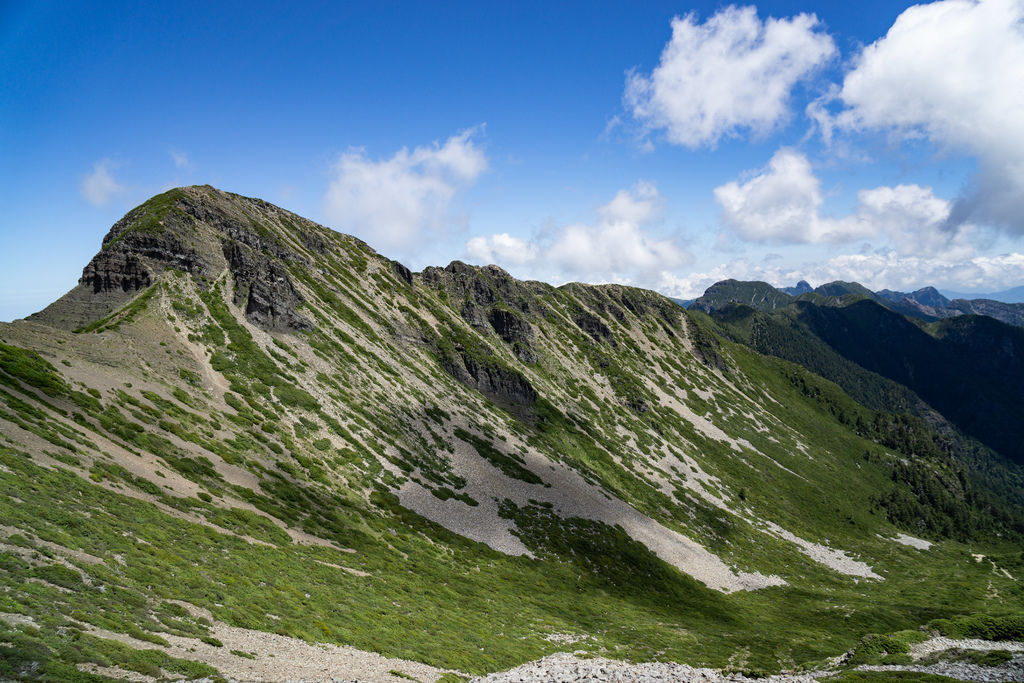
(926, 303)
(1014, 295)
(954, 357)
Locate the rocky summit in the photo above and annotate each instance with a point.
(246, 447)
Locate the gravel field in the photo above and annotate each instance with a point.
(1011, 671)
(564, 667)
(919, 650)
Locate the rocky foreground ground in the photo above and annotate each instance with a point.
(565, 667)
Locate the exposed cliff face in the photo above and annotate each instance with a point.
(592, 325)
(116, 271)
(145, 242)
(515, 331)
(481, 371)
(263, 289)
(131, 258)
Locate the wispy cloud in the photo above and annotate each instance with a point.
(99, 186)
(180, 159)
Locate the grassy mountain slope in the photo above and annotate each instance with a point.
(969, 368)
(245, 412)
(865, 349)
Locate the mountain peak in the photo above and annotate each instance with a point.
(929, 296)
(841, 288)
(759, 295)
(801, 287)
(204, 232)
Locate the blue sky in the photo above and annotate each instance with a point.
(666, 145)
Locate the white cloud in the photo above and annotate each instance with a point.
(732, 72)
(951, 71)
(618, 243)
(640, 205)
(889, 269)
(617, 247)
(100, 186)
(915, 220)
(876, 271)
(781, 204)
(501, 248)
(391, 202)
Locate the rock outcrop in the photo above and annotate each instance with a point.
(595, 327)
(492, 299)
(264, 290)
(480, 369)
(515, 331)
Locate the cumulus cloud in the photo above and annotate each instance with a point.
(915, 221)
(501, 248)
(732, 72)
(886, 269)
(618, 244)
(99, 186)
(781, 204)
(891, 270)
(950, 71)
(391, 202)
(617, 247)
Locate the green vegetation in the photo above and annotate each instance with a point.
(149, 217)
(886, 676)
(979, 658)
(966, 367)
(510, 465)
(947, 486)
(28, 655)
(886, 649)
(28, 367)
(984, 626)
